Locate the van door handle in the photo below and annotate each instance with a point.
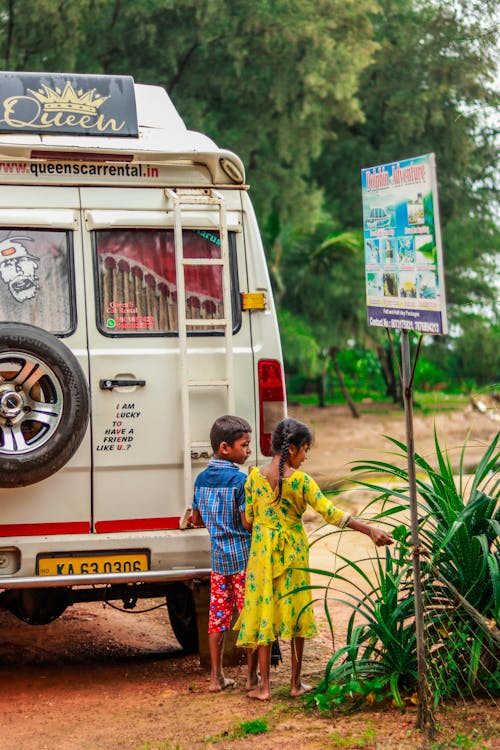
(108, 384)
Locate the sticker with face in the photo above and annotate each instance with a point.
(18, 267)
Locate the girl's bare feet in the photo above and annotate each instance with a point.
(221, 684)
(253, 683)
(296, 691)
(260, 693)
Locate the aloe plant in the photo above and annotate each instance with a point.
(379, 658)
(459, 527)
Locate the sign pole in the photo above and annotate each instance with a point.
(425, 719)
(405, 292)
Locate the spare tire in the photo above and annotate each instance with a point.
(44, 404)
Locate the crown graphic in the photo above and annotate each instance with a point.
(68, 100)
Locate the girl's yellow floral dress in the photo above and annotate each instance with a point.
(279, 548)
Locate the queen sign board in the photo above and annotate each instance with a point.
(402, 241)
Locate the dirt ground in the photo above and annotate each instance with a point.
(102, 679)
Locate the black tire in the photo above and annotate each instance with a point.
(38, 606)
(44, 404)
(182, 613)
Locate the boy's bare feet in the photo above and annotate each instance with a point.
(295, 691)
(221, 684)
(260, 693)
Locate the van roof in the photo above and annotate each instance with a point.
(162, 138)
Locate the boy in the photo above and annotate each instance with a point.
(219, 504)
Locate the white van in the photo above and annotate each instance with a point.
(135, 308)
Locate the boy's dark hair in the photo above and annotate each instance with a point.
(227, 429)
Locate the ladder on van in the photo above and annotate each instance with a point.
(183, 201)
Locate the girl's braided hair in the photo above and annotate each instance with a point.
(288, 432)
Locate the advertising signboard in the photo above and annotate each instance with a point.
(402, 240)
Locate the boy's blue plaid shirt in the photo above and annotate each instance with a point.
(219, 495)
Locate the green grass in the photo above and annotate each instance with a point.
(347, 742)
(424, 401)
(255, 726)
(432, 401)
(242, 729)
(472, 741)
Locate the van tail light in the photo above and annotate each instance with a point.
(272, 404)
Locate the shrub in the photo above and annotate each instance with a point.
(459, 529)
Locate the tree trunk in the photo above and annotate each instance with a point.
(321, 390)
(321, 381)
(10, 34)
(391, 381)
(345, 392)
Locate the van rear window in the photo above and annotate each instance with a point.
(36, 278)
(137, 284)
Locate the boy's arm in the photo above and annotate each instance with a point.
(380, 537)
(245, 522)
(196, 519)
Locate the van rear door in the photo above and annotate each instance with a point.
(135, 359)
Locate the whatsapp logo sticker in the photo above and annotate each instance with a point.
(110, 323)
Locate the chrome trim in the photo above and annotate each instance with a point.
(42, 582)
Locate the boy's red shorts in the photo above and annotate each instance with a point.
(226, 593)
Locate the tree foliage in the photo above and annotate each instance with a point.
(308, 92)
(427, 91)
(326, 287)
(262, 78)
(301, 350)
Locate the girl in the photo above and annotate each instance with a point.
(276, 498)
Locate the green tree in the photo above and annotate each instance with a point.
(325, 287)
(475, 354)
(308, 92)
(42, 34)
(262, 78)
(283, 69)
(427, 91)
(301, 351)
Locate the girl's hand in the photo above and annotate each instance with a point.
(380, 537)
(376, 535)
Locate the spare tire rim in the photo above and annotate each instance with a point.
(31, 403)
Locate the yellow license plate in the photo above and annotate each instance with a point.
(120, 562)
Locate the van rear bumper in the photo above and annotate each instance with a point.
(151, 576)
(173, 555)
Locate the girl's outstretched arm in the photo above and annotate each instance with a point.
(379, 536)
